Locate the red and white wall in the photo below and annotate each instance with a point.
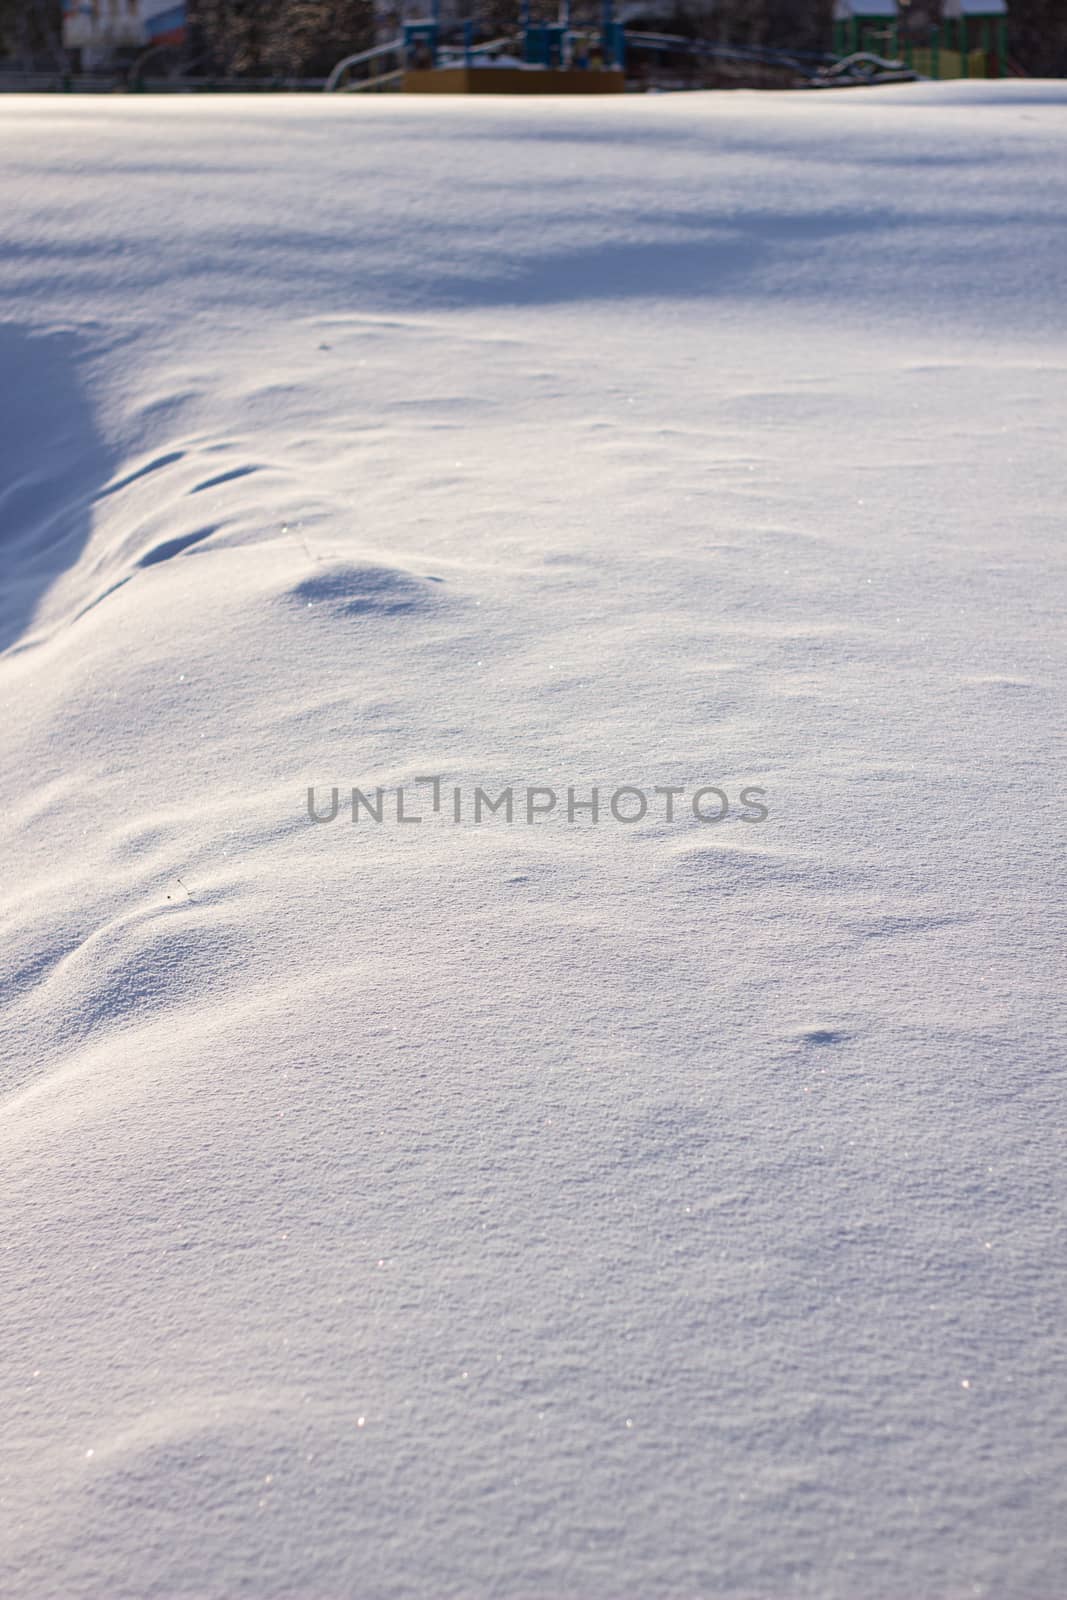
(99, 28)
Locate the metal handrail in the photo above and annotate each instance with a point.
(395, 47)
(358, 60)
(481, 48)
(368, 85)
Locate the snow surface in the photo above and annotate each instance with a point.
(549, 1211)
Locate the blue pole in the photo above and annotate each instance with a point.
(607, 19)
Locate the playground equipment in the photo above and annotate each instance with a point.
(439, 55)
(862, 68)
(865, 26)
(873, 43)
(978, 27)
(970, 43)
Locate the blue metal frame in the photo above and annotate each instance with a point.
(416, 33)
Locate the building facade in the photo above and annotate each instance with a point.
(100, 30)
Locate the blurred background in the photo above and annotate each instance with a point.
(295, 43)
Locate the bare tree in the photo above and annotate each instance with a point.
(31, 34)
(278, 38)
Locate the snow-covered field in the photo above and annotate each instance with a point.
(549, 1210)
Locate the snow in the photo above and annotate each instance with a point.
(975, 8)
(846, 9)
(629, 1211)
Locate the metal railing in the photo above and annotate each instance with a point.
(378, 85)
(123, 82)
(363, 58)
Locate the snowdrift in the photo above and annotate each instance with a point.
(588, 1209)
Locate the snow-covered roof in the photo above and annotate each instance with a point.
(845, 10)
(975, 8)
